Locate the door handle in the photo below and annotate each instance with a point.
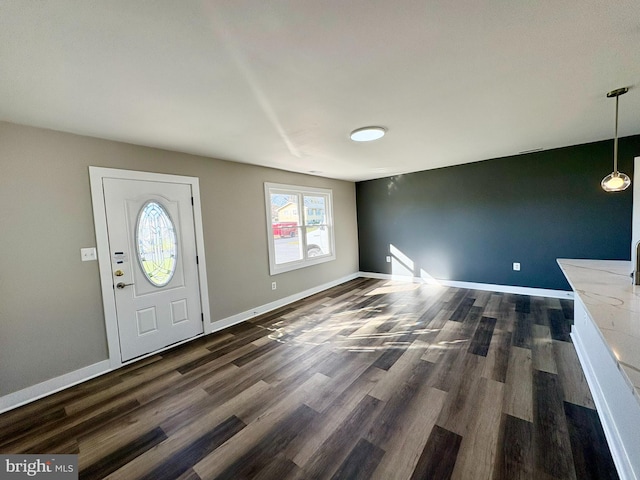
(121, 285)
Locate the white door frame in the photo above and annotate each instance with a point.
(96, 174)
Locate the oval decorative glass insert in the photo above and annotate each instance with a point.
(157, 244)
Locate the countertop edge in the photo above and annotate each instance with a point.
(580, 295)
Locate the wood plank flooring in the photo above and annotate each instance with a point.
(370, 379)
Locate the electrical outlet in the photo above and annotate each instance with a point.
(388, 259)
(273, 285)
(88, 254)
(516, 266)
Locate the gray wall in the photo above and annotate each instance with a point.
(51, 317)
(471, 222)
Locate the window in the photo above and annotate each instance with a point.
(157, 244)
(300, 226)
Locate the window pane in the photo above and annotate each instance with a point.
(318, 243)
(285, 221)
(157, 244)
(315, 208)
(288, 249)
(284, 209)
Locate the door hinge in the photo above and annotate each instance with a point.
(197, 261)
(191, 200)
(202, 316)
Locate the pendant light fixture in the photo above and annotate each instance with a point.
(616, 181)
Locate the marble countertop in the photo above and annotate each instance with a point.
(613, 302)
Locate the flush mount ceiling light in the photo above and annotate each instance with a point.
(367, 134)
(616, 181)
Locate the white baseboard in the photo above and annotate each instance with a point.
(48, 387)
(534, 292)
(268, 307)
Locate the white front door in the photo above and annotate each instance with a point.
(154, 268)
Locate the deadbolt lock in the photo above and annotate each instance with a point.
(118, 273)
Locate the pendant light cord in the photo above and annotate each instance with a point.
(616, 181)
(615, 141)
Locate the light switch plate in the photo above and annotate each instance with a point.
(88, 254)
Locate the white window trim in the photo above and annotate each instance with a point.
(274, 268)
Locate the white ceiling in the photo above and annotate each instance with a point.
(282, 83)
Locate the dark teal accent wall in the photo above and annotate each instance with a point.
(471, 222)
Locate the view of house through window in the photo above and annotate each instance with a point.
(300, 226)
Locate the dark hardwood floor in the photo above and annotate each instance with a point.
(371, 379)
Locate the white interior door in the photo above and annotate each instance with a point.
(154, 263)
